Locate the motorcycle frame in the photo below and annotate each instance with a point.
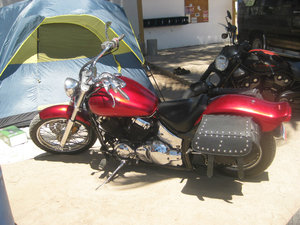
(267, 114)
(264, 113)
(223, 75)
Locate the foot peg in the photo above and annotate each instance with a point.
(123, 162)
(102, 164)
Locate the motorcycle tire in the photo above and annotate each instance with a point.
(257, 161)
(46, 134)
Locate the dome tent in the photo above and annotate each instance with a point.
(44, 41)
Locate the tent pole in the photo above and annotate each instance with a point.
(38, 43)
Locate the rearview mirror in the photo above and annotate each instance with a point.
(107, 25)
(224, 36)
(228, 14)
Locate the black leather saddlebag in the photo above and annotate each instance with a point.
(226, 135)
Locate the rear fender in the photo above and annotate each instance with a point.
(268, 115)
(63, 111)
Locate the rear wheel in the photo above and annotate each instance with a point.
(257, 161)
(47, 134)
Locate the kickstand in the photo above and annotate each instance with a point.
(123, 162)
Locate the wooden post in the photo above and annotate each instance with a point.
(141, 25)
(233, 12)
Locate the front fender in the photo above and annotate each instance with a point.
(63, 111)
(269, 115)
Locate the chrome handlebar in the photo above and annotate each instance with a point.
(89, 77)
(108, 46)
(106, 80)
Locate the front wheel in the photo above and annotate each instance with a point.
(257, 161)
(47, 134)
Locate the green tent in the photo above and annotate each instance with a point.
(44, 41)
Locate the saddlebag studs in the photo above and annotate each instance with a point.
(235, 135)
(238, 136)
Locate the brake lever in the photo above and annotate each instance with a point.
(106, 85)
(117, 85)
(114, 85)
(123, 94)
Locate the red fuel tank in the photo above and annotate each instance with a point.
(142, 102)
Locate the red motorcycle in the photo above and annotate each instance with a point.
(232, 132)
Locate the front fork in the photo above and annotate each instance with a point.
(71, 121)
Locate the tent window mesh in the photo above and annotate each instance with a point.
(58, 41)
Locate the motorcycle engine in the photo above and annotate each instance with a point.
(269, 84)
(143, 139)
(164, 149)
(134, 130)
(266, 71)
(243, 79)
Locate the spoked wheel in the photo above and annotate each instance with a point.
(47, 135)
(257, 161)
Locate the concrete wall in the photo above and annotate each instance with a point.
(185, 35)
(162, 8)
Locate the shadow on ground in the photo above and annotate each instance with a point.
(196, 183)
(197, 55)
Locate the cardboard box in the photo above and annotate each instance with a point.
(13, 136)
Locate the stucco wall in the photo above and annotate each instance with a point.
(185, 35)
(131, 10)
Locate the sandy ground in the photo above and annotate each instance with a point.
(61, 190)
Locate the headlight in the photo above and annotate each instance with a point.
(71, 86)
(221, 62)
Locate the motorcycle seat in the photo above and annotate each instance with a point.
(295, 67)
(181, 115)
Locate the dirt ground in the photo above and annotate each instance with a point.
(61, 190)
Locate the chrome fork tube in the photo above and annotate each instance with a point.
(72, 119)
